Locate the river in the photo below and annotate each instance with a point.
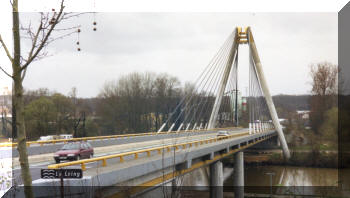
(290, 176)
(287, 179)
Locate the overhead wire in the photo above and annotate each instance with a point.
(212, 65)
(205, 83)
(215, 85)
(205, 71)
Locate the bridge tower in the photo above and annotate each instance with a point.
(242, 37)
(209, 94)
(246, 37)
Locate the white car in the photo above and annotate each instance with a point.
(66, 136)
(45, 138)
(222, 134)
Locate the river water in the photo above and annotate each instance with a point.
(283, 179)
(290, 176)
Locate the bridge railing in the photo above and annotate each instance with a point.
(13, 144)
(121, 156)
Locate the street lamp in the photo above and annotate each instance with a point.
(270, 174)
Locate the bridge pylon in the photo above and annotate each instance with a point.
(246, 37)
(220, 77)
(266, 92)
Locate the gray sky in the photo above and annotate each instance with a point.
(182, 44)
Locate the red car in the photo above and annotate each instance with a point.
(74, 151)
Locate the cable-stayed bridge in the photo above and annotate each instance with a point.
(187, 140)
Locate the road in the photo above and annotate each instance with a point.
(35, 149)
(35, 167)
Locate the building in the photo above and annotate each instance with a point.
(244, 103)
(5, 102)
(304, 114)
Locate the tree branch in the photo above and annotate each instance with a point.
(34, 40)
(6, 72)
(24, 74)
(6, 50)
(71, 15)
(46, 37)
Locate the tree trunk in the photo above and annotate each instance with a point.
(21, 138)
(18, 105)
(13, 123)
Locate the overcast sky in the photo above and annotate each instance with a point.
(182, 44)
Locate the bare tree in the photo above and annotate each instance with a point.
(324, 77)
(40, 38)
(137, 102)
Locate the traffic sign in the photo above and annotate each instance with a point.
(61, 173)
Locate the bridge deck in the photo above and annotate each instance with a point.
(146, 169)
(104, 147)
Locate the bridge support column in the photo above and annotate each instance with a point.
(216, 180)
(238, 175)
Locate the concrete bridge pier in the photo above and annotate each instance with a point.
(238, 175)
(216, 180)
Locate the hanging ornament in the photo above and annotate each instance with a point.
(78, 43)
(52, 21)
(94, 23)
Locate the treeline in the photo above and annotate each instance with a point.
(134, 103)
(51, 113)
(143, 102)
(292, 102)
(137, 102)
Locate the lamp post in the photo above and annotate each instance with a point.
(270, 174)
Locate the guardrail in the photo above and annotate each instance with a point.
(11, 144)
(148, 151)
